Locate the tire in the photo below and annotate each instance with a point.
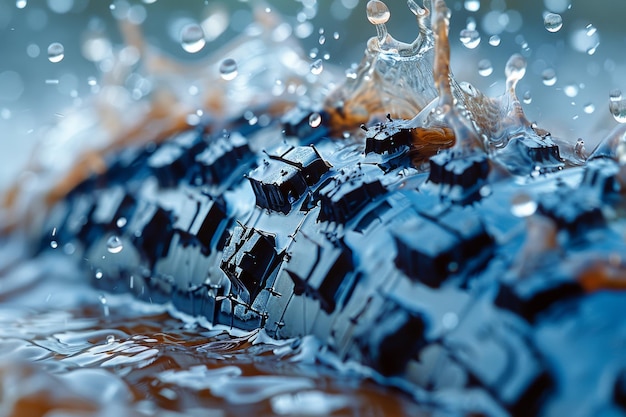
(433, 278)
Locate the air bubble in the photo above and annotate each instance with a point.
(470, 38)
(317, 67)
(485, 68)
(315, 119)
(523, 205)
(114, 244)
(228, 69)
(56, 52)
(192, 38)
(549, 77)
(553, 22)
(377, 12)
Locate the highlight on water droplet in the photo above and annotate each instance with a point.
(317, 67)
(192, 38)
(548, 76)
(114, 244)
(589, 108)
(527, 98)
(377, 12)
(228, 69)
(472, 5)
(470, 38)
(522, 205)
(485, 68)
(553, 22)
(56, 52)
(315, 119)
(571, 90)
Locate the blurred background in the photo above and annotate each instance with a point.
(53, 53)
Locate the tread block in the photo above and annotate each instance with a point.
(224, 155)
(112, 204)
(284, 178)
(530, 296)
(600, 174)
(572, 210)
(248, 260)
(153, 230)
(392, 340)
(169, 164)
(318, 269)
(385, 138)
(207, 223)
(426, 251)
(342, 199)
(466, 172)
(296, 124)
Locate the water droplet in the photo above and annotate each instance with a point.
(548, 77)
(571, 90)
(192, 38)
(121, 222)
(618, 110)
(114, 244)
(322, 40)
(56, 52)
(98, 274)
(54, 244)
(377, 12)
(317, 67)
(615, 95)
(315, 119)
(228, 69)
(590, 30)
(20, 4)
(523, 205)
(110, 339)
(472, 5)
(336, 35)
(527, 98)
(553, 22)
(494, 40)
(589, 108)
(515, 68)
(470, 38)
(450, 320)
(485, 68)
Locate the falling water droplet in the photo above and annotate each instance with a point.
(617, 106)
(20, 4)
(589, 108)
(114, 244)
(548, 77)
(192, 38)
(515, 68)
(121, 222)
(485, 68)
(553, 22)
(56, 52)
(315, 119)
(571, 90)
(377, 12)
(523, 205)
(322, 40)
(317, 67)
(54, 244)
(98, 274)
(527, 98)
(228, 69)
(470, 38)
(472, 5)
(590, 30)
(494, 40)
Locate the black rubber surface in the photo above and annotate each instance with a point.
(425, 276)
